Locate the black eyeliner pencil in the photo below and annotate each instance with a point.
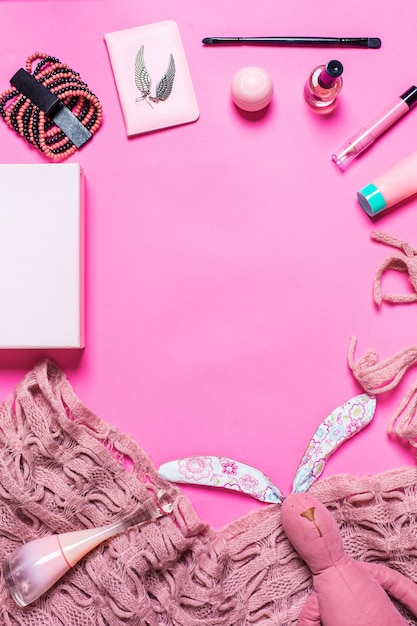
(353, 42)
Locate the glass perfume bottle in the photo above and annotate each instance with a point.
(36, 566)
(324, 85)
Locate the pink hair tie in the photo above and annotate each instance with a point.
(406, 262)
(403, 422)
(376, 377)
(379, 376)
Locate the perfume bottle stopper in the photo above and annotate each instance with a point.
(324, 85)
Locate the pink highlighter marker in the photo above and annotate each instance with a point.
(366, 136)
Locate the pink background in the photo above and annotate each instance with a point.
(228, 261)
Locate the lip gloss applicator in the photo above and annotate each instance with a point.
(36, 566)
(364, 137)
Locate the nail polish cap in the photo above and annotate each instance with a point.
(371, 200)
(330, 73)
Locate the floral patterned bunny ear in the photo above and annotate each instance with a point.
(342, 424)
(214, 471)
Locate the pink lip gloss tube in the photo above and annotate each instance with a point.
(364, 137)
(395, 185)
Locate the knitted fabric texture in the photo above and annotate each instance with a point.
(62, 468)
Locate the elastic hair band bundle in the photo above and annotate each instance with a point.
(51, 107)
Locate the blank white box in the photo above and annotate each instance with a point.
(41, 256)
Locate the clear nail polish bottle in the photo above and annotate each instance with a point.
(324, 85)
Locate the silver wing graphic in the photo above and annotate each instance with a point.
(164, 87)
(143, 80)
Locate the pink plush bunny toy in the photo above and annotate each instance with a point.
(345, 592)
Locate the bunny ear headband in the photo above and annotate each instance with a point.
(214, 471)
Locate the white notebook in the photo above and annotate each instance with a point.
(152, 77)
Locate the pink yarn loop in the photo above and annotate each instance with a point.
(403, 422)
(377, 377)
(406, 263)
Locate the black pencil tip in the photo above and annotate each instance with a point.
(208, 40)
(374, 42)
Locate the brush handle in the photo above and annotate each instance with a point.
(357, 42)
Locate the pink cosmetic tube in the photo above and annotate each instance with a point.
(395, 185)
(367, 135)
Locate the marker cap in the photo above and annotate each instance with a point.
(371, 200)
(410, 96)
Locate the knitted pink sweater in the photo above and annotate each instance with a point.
(61, 469)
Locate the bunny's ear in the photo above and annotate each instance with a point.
(342, 424)
(216, 471)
